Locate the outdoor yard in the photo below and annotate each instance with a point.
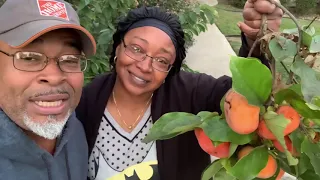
(229, 16)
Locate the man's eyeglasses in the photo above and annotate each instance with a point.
(158, 63)
(34, 61)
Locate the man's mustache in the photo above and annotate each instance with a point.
(51, 92)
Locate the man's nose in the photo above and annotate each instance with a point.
(52, 74)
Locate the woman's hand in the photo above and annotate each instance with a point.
(252, 15)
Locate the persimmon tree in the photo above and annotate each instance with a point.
(267, 127)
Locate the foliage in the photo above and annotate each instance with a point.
(2, 2)
(100, 18)
(238, 3)
(296, 151)
(193, 16)
(304, 6)
(170, 5)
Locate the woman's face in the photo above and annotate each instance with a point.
(144, 76)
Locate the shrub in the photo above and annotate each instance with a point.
(305, 6)
(238, 3)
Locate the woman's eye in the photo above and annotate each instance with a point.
(136, 49)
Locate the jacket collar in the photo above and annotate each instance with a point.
(16, 145)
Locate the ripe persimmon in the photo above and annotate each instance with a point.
(242, 117)
(245, 151)
(280, 175)
(289, 145)
(268, 171)
(220, 151)
(289, 113)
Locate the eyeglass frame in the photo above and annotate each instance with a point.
(57, 60)
(146, 55)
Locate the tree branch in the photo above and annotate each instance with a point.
(287, 70)
(261, 33)
(294, 19)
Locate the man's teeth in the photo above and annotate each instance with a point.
(48, 104)
(139, 79)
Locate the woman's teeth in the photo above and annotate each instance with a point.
(139, 79)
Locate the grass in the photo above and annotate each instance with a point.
(227, 23)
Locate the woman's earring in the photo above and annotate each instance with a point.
(115, 59)
(164, 81)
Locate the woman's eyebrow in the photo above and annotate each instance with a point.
(144, 40)
(167, 51)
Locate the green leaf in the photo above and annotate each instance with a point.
(281, 48)
(113, 4)
(293, 95)
(297, 138)
(193, 17)
(283, 163)
(311, 30)
(286, 95)
(194, 30)
(97, 8)
(310, 83)
(297, 88)
(315, 44)
(203, 17)
(206, 114)
(211, 170)
(291, 31)
(86, 2)
(304, 164)
(172, 124)
(249, 166)
(94, 68)
(218, 130)
(201, 27)
(309, 175)
(277, 123)
(209, 15)
(224, 175)
(313, 152)
(306, 39)
(105, 37)
(251, 78)
(303, 109)
(182, 18)
(233, 148)
(315, 103)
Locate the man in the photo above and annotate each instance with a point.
(42, 48)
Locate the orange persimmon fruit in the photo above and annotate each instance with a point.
(289, 145)
(289, 113)
(268, 171)
(220, 151)
(280, 175)
(242, 117)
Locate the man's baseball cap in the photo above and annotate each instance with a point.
(22, 21)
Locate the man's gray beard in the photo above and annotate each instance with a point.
(50, 129)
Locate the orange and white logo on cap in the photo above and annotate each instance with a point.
(53, 8)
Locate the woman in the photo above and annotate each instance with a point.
(119, 108)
